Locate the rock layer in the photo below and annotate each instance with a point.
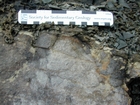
(60, 73)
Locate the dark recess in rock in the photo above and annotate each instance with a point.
(134, 90)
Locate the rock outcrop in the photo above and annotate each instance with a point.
(60, 70)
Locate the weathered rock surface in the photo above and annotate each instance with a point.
(134, 69)
(60, 71)
(67, 65)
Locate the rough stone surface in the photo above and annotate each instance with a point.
(134, 69)
(64, 74)
(70, 64)
(45, 40)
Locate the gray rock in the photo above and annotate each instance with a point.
(98, 2)
(116, 45)
(65, 75)
(54, 7)
(46, 1)
(99, 38)
(87, 1)
(123, 3)
(115, 82)
(121, 43)
(127, 35)
(45, 40)
(93, 7)
(110, 5)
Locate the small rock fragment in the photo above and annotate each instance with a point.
(116, 44)
(45, 40)
(87, 1)
(122, 44)
(98, 2)
(93, 8)
(123, 3)
(110, 5)
(127, 35)
(99, 38)
(54, 7)
(66, 6)
(46, 1)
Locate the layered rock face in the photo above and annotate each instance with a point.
(60, 70)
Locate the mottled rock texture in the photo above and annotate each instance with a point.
(134, 69)
(59, 71)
